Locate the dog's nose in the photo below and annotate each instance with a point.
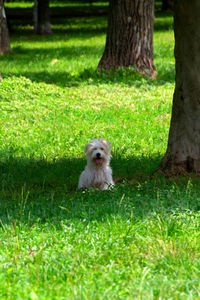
(98, 155)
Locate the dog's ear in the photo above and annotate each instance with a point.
(104, 142)
(87, 148)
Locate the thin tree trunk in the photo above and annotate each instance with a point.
(183, 151)
(129, 39)
(4, 35)
(42, 17)
(35, 15)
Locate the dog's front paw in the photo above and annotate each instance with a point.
(106, 186)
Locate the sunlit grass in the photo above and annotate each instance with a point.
(53, 3)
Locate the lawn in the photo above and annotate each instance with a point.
(137, 241)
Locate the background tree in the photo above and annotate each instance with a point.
(183, 151)
(4, 35)
(42, 17)
(129, 39)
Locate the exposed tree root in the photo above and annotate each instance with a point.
(170, 167)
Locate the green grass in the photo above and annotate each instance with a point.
(138, 241)
(53, 3)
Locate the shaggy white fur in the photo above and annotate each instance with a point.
(97, 173)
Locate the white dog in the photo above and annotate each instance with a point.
(97, 173)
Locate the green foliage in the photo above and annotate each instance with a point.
(139, 240)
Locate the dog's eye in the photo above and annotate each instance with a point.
(102, 149)
(95, 149)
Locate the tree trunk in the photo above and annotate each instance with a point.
(42, 17)
(4, 35)
(129, 39)
(183, 151)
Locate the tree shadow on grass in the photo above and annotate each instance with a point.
(35, 191)
(63, 29)
(163, 22)
(40, 174)
(93, 77)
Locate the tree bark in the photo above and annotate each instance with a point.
(42, 17)
(129, 39)
(183, 151)
(4, 35)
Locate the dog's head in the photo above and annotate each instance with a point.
(98, 152)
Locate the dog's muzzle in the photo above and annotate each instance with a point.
(98, 158)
